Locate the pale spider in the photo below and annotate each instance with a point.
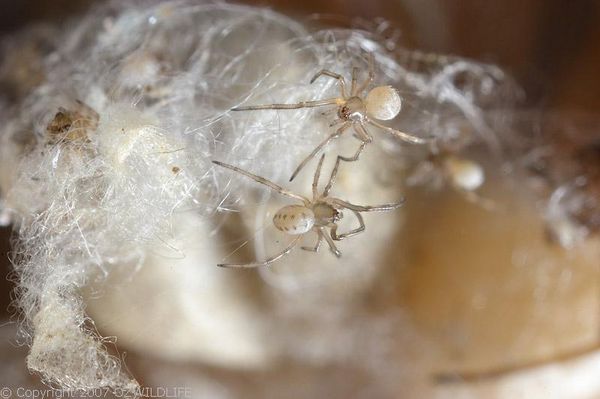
(354, 110)
(462, 174)
(316, 214)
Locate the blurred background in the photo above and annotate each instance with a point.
(552, 47)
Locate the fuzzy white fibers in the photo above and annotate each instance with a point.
(145, 89)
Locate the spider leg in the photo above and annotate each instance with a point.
(370, 78)
(302, 104)
(362, 133)
(333, 136)
(365, 138)
(315, 183)
(361, 208)
(336, 122)
(332, 246)
(351, 233)
(401, 135)
(272, 259)
(329, 112)
(318, 244)
(264, 181)
(340, 79)
(340, 158)
(354, 79)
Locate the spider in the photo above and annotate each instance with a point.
(355, 109)
(462, 174)
(317, 214)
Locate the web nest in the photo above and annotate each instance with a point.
(113, 128)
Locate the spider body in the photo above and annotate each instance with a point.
(299, 219)
(355, 110)
(383, 103)
(319, 214)
(326, 214)
(464, 174)
(294, 219)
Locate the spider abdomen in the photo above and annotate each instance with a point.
(383, 103)
(294, 219)
(465, 174)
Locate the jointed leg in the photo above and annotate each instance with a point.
(351, 233)
(336, 121)
(315, 184)
(361, 208)
(340, 158)
(361, 133)
(266, 262)
(331, 244)
(302, 104)
(370, 78)
(329, 112)
(333, 136)
(401, 135)
(354, 78)
(264, 181)
(334, 75)
(318, 244)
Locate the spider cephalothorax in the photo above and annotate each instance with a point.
(317, 214)
(356, 109)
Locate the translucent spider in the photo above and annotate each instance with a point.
(462, 174)
(355, 109)
(317, 214)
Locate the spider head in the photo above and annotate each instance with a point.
(326, 213)
(383, 103)
(353, 110)
(337, 215)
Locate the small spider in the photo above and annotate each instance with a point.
(354, 110)
(462, 174)
(318, 214)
